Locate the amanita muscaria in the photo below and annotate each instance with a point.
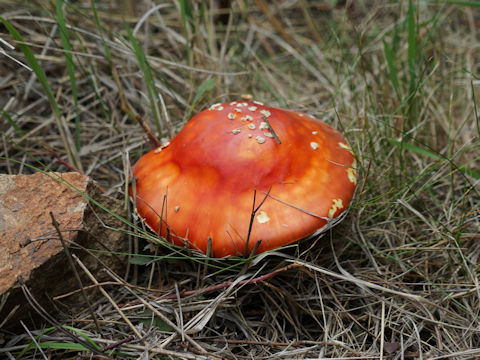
(202, 184)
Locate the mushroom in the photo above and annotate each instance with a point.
(203, 185)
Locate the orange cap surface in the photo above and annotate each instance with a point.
(202, 184)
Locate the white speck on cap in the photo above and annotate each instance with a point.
(337, 204)
(314, 145)
(161, 147)
(263, 217)
(212, 107)
(260, 139)
(346, 147)
(352, 173)
(265, 113)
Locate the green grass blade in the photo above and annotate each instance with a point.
(33, 63)
(83, 335)
(149, 81)
(57, 345)
(412, 62)
(186, 16)
(424, 152)
(42, 78)
(390, 58)
(62, 346)
(108, 54)
(13, 123)
(148, 319)
(415, 149)
(206, 86)
(70, 67)
(469, 172)
(141, 260)
(475, 108)
(475, 4)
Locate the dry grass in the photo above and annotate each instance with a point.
(398, 279)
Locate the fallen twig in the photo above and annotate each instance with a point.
(151, 136)
(230, 282)
(75, 272)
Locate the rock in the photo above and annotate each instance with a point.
(30, 248)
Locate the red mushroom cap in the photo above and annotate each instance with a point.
(202, 184)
